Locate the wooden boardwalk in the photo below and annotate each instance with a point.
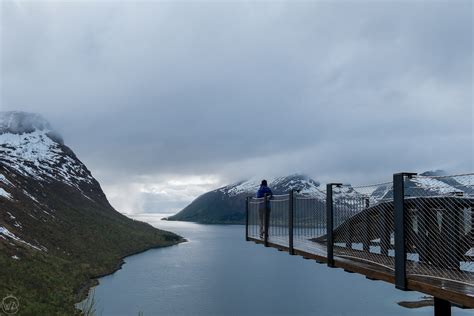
(457, 291)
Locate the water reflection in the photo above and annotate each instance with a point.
(217, 273)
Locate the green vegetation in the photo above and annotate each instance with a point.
(80, 238)
(48, 284)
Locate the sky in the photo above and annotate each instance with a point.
(165, 100)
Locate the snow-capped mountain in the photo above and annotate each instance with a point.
(279, 185)
(53, 213)
(438, 183)
(30, 147)
(426, 184)
(227, 204)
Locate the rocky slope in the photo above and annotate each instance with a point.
(57, 229)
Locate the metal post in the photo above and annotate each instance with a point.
(247, 201)
(442, 307)
(366, 239)
(330, 224)
(290, 224)
(399, 227)
(265, 221)
(471, 234)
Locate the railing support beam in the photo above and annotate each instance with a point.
(442, 307)
(330, 223)
(400, 229)
(366, 233)
(290, 223)
(266, 221)
(247, 201)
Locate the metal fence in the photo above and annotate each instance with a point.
(439, 220)
(278, 219)
(309, 222)
(364, 224)
(301, 216)
(414, 226)
(255, 217)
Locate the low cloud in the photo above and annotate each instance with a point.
(152, 94)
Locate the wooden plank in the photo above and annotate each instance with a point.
(450, 291)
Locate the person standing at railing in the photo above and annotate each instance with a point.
(263, 191)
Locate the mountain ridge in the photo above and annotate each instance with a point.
(57, 229)
(226, 205)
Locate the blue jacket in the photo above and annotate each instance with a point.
(264, 189)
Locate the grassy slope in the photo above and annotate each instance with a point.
(48, 284)
(84, 239)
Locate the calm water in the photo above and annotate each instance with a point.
(218, 273)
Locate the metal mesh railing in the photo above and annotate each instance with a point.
(440, 227)
(278, 219)
(416, 228)
(256, 208)
(309, 221)
(364, 223)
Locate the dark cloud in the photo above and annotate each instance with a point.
(351, 91)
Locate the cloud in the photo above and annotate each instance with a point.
(348, 91)
(166, 194)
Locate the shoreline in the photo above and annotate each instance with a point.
(203, 223)
(82, 292)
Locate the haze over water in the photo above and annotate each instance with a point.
(218, 273)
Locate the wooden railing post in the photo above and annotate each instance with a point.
(247, 201)
(266, 220)
(290, 223)
(400, 229)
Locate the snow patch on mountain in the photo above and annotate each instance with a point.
(5, 233)
(464, 180)
(4, 180)
(37, 155)
(303, 183)
(5, 194)
(241, 187)
(434, 185)
(30, 196)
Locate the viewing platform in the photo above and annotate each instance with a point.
(416, 232)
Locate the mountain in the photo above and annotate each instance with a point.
(428, 184)
(57, 228)
(226, 205)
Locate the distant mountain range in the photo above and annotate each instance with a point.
(226, 205)
(57, 229)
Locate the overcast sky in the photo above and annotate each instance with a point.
(166, 100)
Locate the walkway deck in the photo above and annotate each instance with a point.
(416, 232)
(457, 292)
